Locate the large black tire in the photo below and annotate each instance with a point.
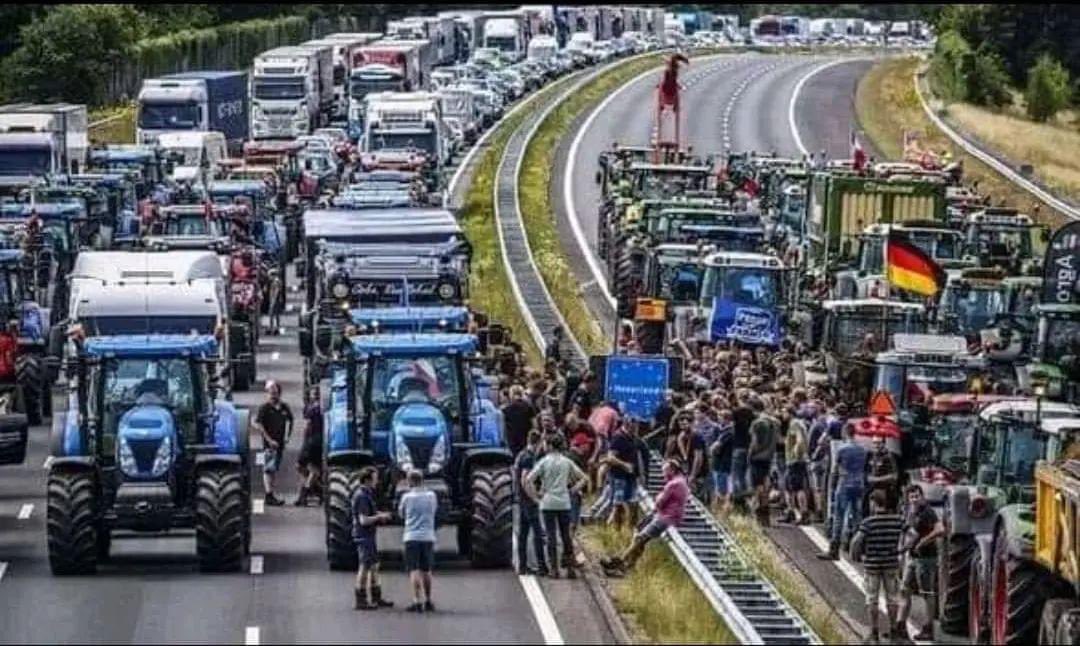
(954, 559)
(492, 520)
(1018, 589)
(72, 522)
(30, 375)
(221, 517)
(1051, 616)
(340, 550)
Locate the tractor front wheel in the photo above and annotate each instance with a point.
(953, 579)
(72, 522)
(221, 504)
(340, 550)
(30, 375)
(491, 524)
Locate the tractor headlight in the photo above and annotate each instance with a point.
(402, 455)
(127, 459)
(163, 458)
(438, 455)
(446, 291)
(340, 289)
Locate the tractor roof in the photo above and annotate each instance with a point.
(60, 210)
(930, 343)
(385, 224)
(407, 318)
(743, 259)
(859, 303)
(1026, 409)
(152, 345)
(238, 187)
(410, 345)
(148, 266)
(965, 402)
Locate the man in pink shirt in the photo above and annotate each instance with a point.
(668, 512)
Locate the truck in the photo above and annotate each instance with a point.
(542, 48)
(195, 101)
(324, 56)
(442, 32)
(345, 48)
(40, 139)
(385, 66)
(505, 32)
(287, 91)
(405, 131)
(1057, 500)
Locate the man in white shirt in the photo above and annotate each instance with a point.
(417, 510)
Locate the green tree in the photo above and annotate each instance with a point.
(66, 54)
(986, 79)
(1047, 88)
(948, 67)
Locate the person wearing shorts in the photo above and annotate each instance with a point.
(622, 475)
(417, 509)
(669, 511)
(365, 520)
(922, 529)
(274, 421)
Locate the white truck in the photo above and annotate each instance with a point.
(542, 48)
(505, 31)
(461, 113)
(287, 95)
(324, 56)
(441, 32)
(197, 154)
(384, 66)
(345, 48)
(40, 139)
(194, 101)
(405, 131)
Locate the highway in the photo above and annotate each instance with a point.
(150, 591)
(738, 102)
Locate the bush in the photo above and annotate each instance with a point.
(986, 79)
(948, 67)
(1047, 89)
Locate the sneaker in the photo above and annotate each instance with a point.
(273, 501)
(428, 606)
(828, 556)
(415, 607)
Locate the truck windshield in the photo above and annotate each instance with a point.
(118, 325)
(501, 43)
(267, 89)
(168, 116)
(359, 88)
(25, 161)
(753, 286)
(426, 141)
(397, 380)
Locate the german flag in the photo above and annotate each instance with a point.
(910, 268)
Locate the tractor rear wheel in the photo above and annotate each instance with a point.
(340, 550)
(953, 579)
(221, 504)
(976, 625)
(491, 524)
(72, 522)
(1017, 589)
(30, 375)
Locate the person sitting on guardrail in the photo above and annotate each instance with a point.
(670, 506)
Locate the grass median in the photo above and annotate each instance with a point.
(887, 105)
(117, 125)
(659, 601)
(534, 190)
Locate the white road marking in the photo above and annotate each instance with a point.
(260, 458)
(258, 506)
(290, 308)
(846, 566)
(48, 463)
(275, 356)
(25, 511)
(256, 564)
(795, 97)
(541, 610)
(251, 636)
(3, 569)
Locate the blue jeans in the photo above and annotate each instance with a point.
(847, 504)
(575, 509)
(720, 482)
(529, 523)
(738, 471)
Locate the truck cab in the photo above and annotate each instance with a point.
(200, 101)
(405, 131)
(286, 96)
(195, 153)
(743, 298)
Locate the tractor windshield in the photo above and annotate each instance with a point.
(171, 382)
(752, 286)
(1062, 337)
(916, 383)
(952, 435)
(973, 309)
(1008, 452)
(848, 329)
(397, 380)
(999, 241)
(195, 224)
(122, 325)
(680, 281)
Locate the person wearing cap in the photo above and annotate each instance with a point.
(274, 422)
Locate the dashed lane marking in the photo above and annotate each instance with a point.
(275, 356)
(258, 506)
(25, 511)
(3, 569)
(541, 610)
(256, 564)
(251, 636)
(48, 463)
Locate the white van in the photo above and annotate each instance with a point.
(541, 48)
(194, 150)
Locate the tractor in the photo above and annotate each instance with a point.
(50, 245)
(972, 301)
(26, 368)
(146, 161)
(1005, 238)
(412, 401)
(146, 445)
(983, 516)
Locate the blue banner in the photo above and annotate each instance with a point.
(745, 323)
(636, 383)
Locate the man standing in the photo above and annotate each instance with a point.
(274, 421)
(849, 473)
(922, 528)
(518, 419)
(876, 544)
(365, 519)
(417, 510)
(795, 455)
(883, 473)
(763, 432)
(557, 476)
(622, 475)
(311, 451)
(529, 519)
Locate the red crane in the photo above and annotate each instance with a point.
(667, 102)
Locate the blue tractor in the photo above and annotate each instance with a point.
(413, 401)
(146, 445)
(28, 360)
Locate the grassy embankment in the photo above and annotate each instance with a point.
(887, 105)
(118, 126)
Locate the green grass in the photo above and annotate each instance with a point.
(534, 189)
(788, 580)
(120, 130)
(659, 601)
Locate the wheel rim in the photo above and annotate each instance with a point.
(1001, 604)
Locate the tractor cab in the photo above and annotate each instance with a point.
(743, 298)
(727, 230)
(1004, 237)
(667, 180)
(1056, 351)
(972, 301)
(187, 226)
(614, 163)
(867, 279)
(145, 161)
(95, 218)
(919, 366)
(146, 429)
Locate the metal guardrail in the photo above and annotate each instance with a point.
(749, 605)
(993, 162)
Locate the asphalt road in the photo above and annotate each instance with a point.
(737, 102)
